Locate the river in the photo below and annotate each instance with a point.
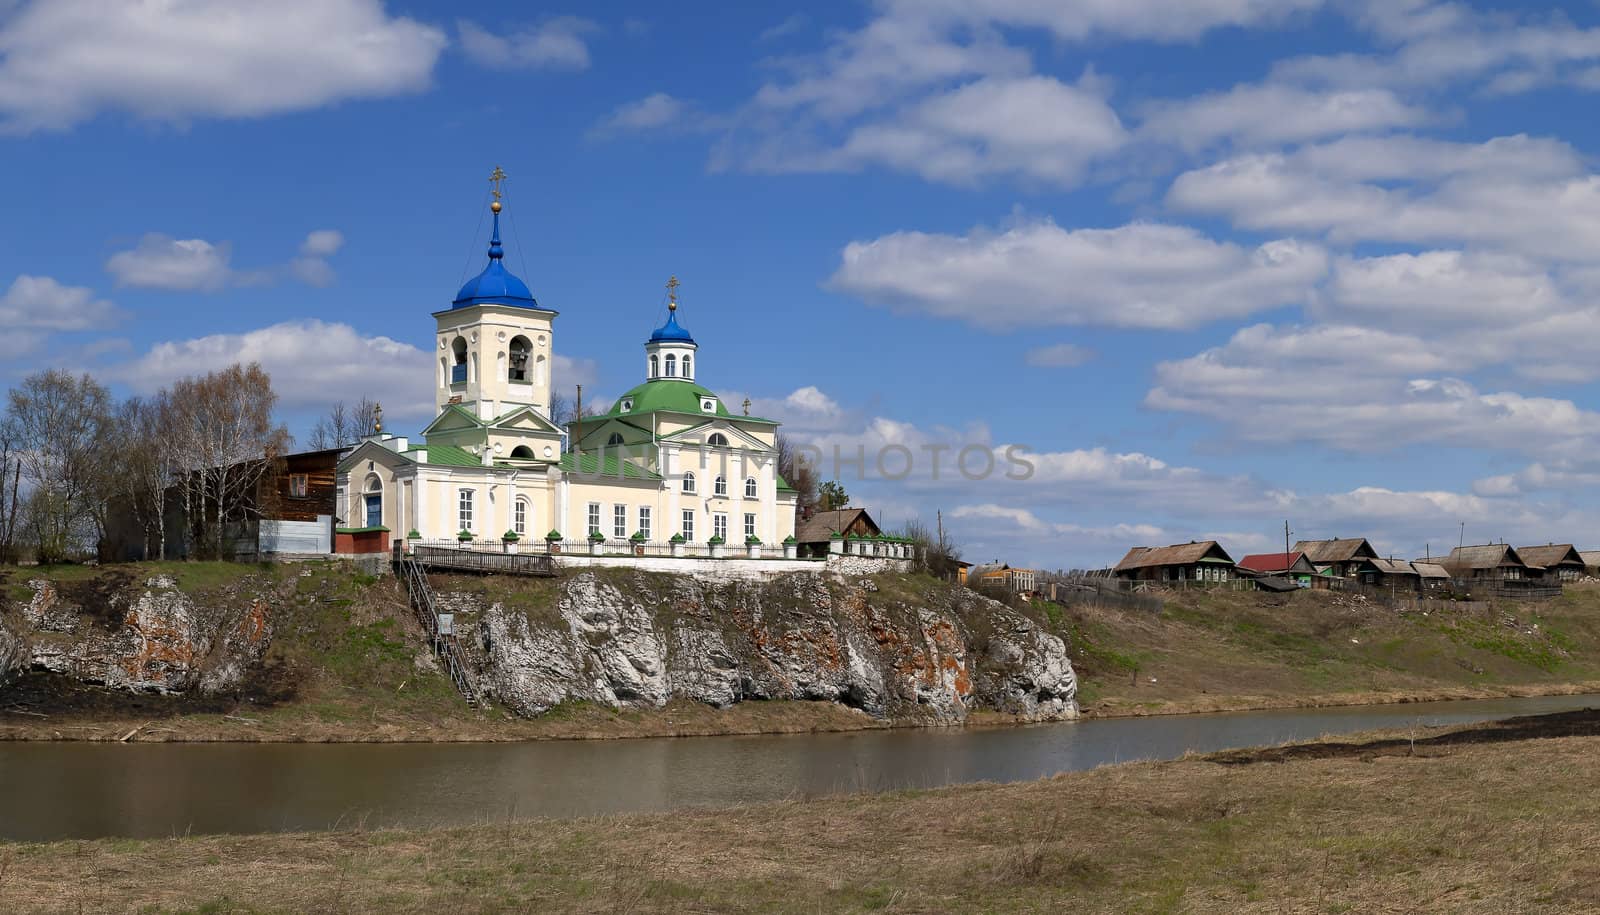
(92, 790)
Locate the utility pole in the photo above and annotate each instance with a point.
(577, 422)
(1463, 541)
(1286, 544)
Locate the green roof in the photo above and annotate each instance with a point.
(590, 464)
(447, 455)
(783, 486)
(673, 396)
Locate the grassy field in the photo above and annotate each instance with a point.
(1216, 650)
(1501, 818)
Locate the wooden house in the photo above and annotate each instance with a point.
(1395, 575)
(1431, 576)
(1341, 558)
(1591, 562)
(1498, 569)
(1292, 566)
(813, 534)
(1197, 560)
(1560, 561)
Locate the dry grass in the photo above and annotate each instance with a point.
(1373, 827)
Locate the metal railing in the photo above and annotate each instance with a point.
(467, 559)
(445, 646)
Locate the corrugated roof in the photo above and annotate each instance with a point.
(590, 464)
(1550, 555)
(447, 455)
(1179, 554)
(1270, 562)
(1335, 550)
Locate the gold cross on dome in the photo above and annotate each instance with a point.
(672, 292)
(498, 176)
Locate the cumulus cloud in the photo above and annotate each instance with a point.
(1151, 20)
(196, 265)
(554, 44)
(1038, 274)
(64, 61)
(1267, 115)
(41, 303)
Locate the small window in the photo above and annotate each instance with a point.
(594, 517)
(688, 481)
(750, 488)
(749, 525)
(644, 521)
(655, 367)
(708, 405)
(627, 405)
(672, 366)
(519, 517)
(520, 350)
(464, 510)
(614, 440)
(717, 440)
(720, 486)
(619, 522)
(688, 524)
(719, 525)
(688, 369)
(299, 485)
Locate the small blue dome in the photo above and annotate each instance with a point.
(670, 331)
(495, 285)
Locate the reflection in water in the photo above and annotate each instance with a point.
(66, 790)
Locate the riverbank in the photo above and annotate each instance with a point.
(1490, 818)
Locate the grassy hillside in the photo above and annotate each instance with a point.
(1231, 649)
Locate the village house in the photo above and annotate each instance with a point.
(1431, 576)
(1395, 575)
(1293, 566)
(1197, 560)
(1561, 561)
(814, 535)
(1341, 558)
(1500, 570)
(998, 576)
(1591, 562)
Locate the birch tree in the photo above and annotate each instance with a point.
(344, 425)
(58, 425)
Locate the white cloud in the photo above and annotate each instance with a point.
(1059, 355)
(1074, 20)
(1505, 193)
(194, 264)
(1437, 290)
(1267, 115)
(555, 44)
(163, 262)
(42, 303)
(787, 27)
(64, 61)
(1039, 274)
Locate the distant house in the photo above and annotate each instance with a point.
(1431, 576)
(1489, 563)
(1293, 566)
(1560, 561)
(997, 576)
(1591, 561)
(1199, 560)
(1394, 574)
(961, 568)
(814, 533)
(1341, 558)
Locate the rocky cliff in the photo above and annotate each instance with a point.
(925, 651)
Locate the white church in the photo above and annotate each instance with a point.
(668, 463)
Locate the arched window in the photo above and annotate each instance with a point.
(750, 488)
(688, 369)
(688, 481)
(520, 349)
(458, 368)
(655, 365)
(672, 366)
(720, 487)
(717, 440)
(519, 516)
(614, 440)
(523, 453)
(373, 502)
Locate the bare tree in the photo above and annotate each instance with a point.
(149, 465)
(344, 425)
(799, 473)
(10, 496)
(59, 426)
(936, 552)
(563, 411)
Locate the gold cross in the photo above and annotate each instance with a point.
(747, 406)
(494, 181)
(672, 293)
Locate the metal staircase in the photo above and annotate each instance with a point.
(445, 646)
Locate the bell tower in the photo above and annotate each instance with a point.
(670, 352)
(495, 343)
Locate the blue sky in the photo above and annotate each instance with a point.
(1214, 263)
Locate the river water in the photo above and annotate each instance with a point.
(83, 790)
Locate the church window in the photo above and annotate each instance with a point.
(749, 525)
(619, 522)
(672, 366)
(720, 486)
(688, 481)
(614, 440)
(688, 524)
(708, 405)
(458, 368)
(464, 509)
(644, 521)
(374, 502)
(519, 359)
(750, 488)
(655, 365)
(719, 525)
(522, 452)
(717, 440)
(688, 370)
(594, 517)
(519, 517)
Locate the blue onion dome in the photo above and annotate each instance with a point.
(495, 285)
(671, 331)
